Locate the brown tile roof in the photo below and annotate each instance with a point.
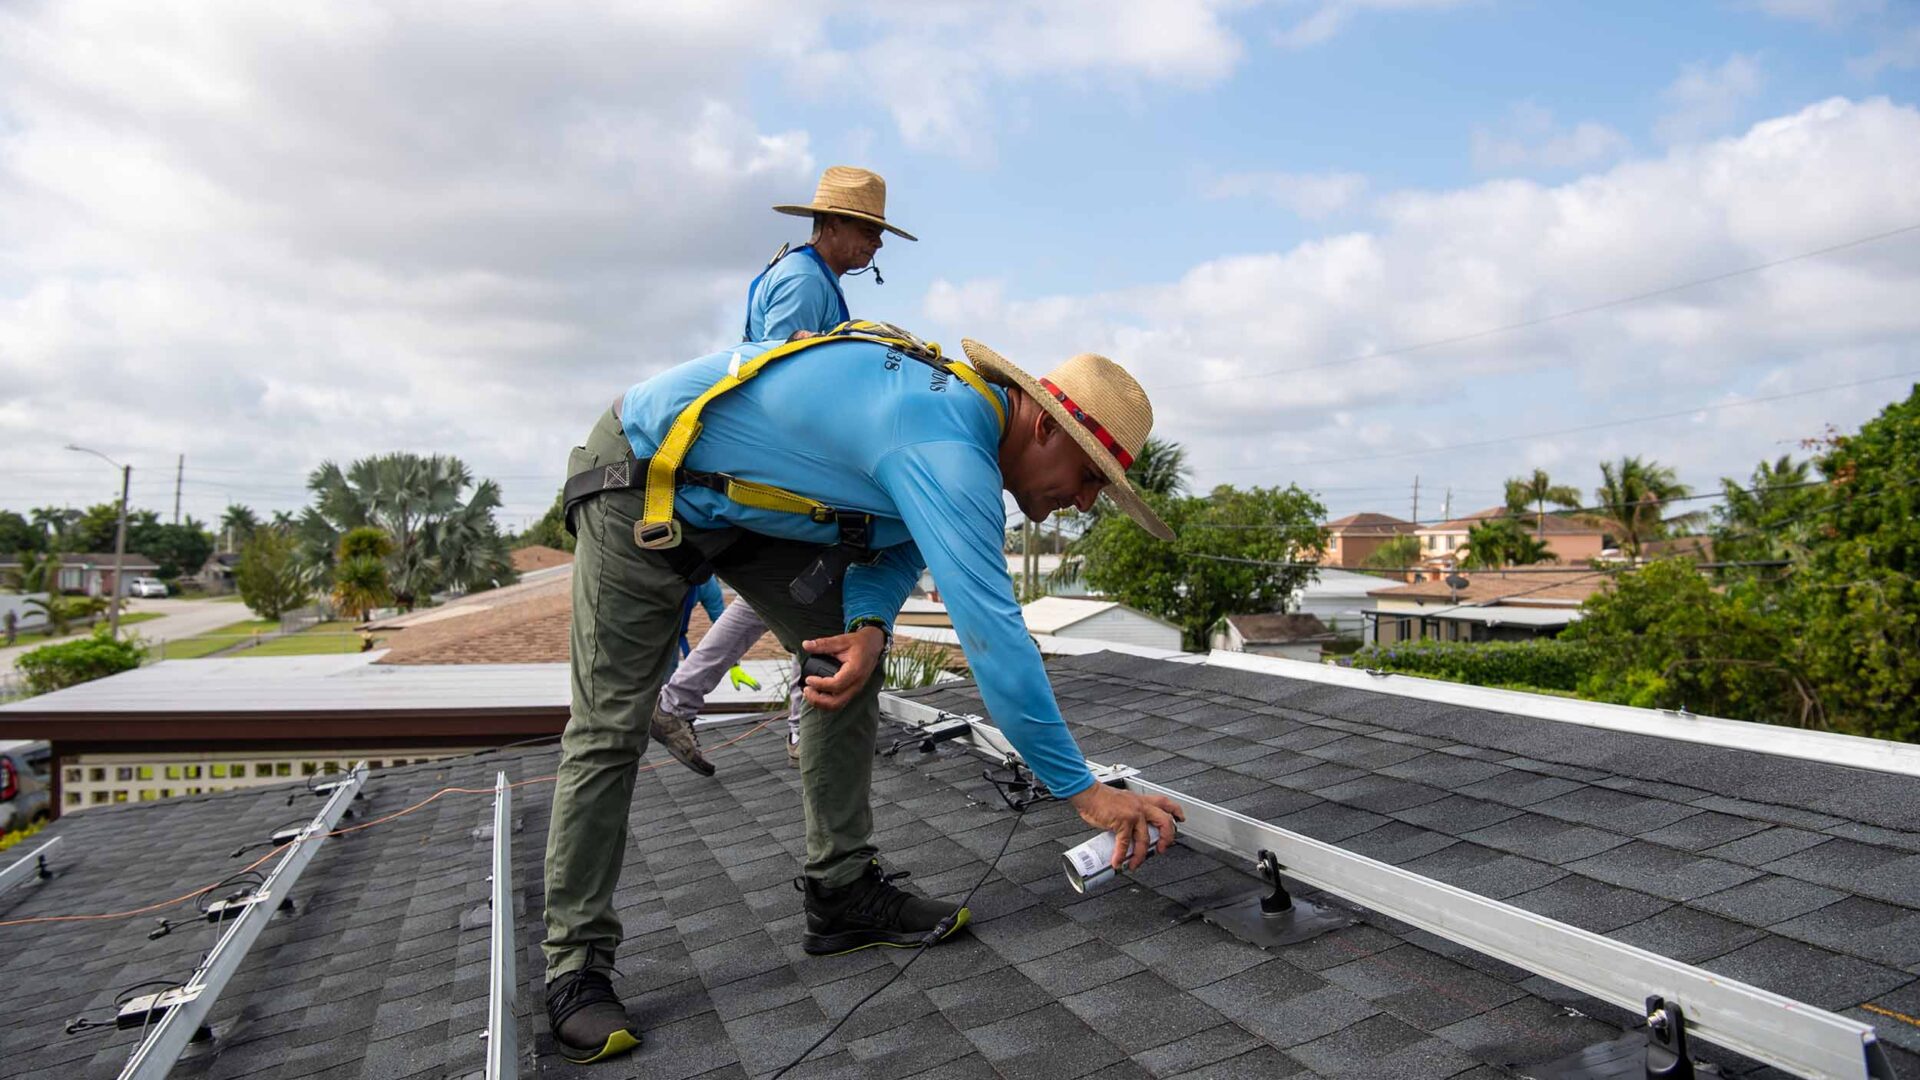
(1370, 525)
(1555, 525)
(1558, 587)
(1275, 629)
(1698, 547)
(539, 557)
(533, 629)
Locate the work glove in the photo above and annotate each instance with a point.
(738, 675)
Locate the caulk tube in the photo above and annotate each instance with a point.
(1091, 863)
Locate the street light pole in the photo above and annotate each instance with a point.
(119, 540)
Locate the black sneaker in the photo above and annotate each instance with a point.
(587, 1018)
(871, 911)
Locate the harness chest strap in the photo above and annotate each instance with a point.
(664, 470)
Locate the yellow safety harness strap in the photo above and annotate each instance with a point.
(657, 527)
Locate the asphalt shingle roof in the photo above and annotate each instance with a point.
(381, 969)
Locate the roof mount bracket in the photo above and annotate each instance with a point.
(929, 738)
(1667, 1057)
(1276, 918)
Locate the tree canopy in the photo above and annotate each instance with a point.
(443, 535)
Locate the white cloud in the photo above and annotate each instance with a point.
(1706, 100)
(1310, 195)
(1528, 138)
(1901, 52)
(1329, 17)
(1827, 13)
(1228, 347)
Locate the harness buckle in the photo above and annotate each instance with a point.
(658, 535)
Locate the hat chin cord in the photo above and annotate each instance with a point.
(871, 268)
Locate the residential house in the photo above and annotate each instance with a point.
(1296, 636)
(1102, 620)
(1572, 543)
(91, 574)
(1781, 863)
(216, 575)
(1352, 539)
(1340, 598)
(1491, 605)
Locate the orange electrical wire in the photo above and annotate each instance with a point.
(423, 803)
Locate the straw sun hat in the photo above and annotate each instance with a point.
(1094, 400)
(849, 192)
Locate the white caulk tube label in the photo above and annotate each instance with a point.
(1091, 863)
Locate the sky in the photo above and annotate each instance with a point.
(1342, 243)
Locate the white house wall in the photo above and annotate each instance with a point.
(1117, 624)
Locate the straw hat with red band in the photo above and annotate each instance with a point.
(1102, 407)
(849, 192)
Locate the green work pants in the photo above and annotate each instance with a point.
(626, 619)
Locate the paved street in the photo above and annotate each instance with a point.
(180, 619)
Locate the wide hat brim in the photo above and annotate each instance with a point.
(809, 211)
(999, 369)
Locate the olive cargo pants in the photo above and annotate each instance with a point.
(626, 619)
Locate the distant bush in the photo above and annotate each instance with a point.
(1545, 664)
(20, 834)
(55, 667)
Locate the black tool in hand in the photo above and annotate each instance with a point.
(816, 664)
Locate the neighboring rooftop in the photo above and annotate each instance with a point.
(539, 557)
(1554, 588)
(1279, 629)
(1551, 525)
(1370, 525)
(1795, 875)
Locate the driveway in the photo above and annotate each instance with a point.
(179, 619)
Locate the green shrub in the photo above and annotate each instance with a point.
(55, 667)
(1545, 664)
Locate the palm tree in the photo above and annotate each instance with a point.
(54, 521)
(360, 573)
(1395, 554)
(1503, 541)
(1535, 492)
(1160, 467)
(237, 525)
(1632, 499)
(438, 539)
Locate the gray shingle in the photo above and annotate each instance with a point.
(1614, 811)
(1818, 977)
(1687, 935)
(1704, 830)
(1662, 871)
(1045, 1043)
(1445, 771)
(1490, 873)
(1142, 1011)
(1865, 928)
(1589, 904)
(1420, 987)
(1456, 815)
(1768, 900)
(1519, 788)
(1547, 839)
(1378, 1047)
(1775, 842)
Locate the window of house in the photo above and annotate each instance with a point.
(97, 774)
(74, 775)
(123, 773)
(120, 796)
(146, 772)
(331, 767)
(99, 797)
(166, 793)
(283, 768)
(148, 794)
(73, 798)
(263, 769)
(173, 772)
(309, 768)
(219, 769)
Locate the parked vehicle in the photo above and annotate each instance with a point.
(146, 587)
(26, 783)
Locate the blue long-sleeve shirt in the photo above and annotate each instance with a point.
(707, 595)
(799, 292)
(858, 426)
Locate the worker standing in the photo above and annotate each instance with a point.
(798, 292)
(819, 478)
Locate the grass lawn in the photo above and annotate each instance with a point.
(36, 637)
(320, 639)
(214, 640)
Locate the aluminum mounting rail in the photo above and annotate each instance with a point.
(32, 865)
(188, 1007)
(503, 1037)
(1762, 1025)
(1881, 755)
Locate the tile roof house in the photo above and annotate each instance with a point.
(1799, 876)
(1568, 540)
(1494, 605)
(1296, 636)
(1351, 539)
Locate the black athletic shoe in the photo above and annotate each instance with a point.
(871, 911)
(587, 1018)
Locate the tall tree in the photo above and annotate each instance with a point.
(1534, 492)
(1633, 497)
(1235, 551)
(53, 523)
(17, 534)
(360, 572)
(1160, 467)
(1755, 521)
(1504, 541)
(237, 525)
(270, 577)
(440, 539)
(1395, 554)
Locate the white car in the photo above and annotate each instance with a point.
(146, 586)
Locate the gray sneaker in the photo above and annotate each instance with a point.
(676, 734)
(586, 1018)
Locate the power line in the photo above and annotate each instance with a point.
(1475, 335)
(1583, 427)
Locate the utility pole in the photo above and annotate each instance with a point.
(1416, 498)
(119, 540)
(179, 470)
(1446, 507)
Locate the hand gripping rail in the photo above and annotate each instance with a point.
(158, 1052)
(1765, 1026)
(32, 865)
(503, 1038)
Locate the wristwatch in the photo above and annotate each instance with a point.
(880, 624)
